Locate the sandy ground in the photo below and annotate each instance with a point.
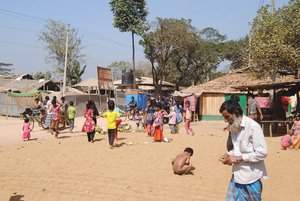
(70, 168)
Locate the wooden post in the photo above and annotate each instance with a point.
(270, 128)
(6, 105)
(11, 107)
(116, 99)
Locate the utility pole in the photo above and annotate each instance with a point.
(65, 68)
(273, 5)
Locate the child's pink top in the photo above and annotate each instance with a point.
(137, 118)
(159, 119)
(285, 141)
(172, 118)
(26, 127)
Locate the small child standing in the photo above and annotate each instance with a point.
(172, 120)
(137, 119)
(26, 130)
(181, 164)
(71, 116)
(111, 122)
(188, 118)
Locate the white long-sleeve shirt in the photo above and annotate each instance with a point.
(250, 145)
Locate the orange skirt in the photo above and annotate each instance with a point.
(148, 129)
(158, 134)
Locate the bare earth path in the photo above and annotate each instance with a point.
(70, 168)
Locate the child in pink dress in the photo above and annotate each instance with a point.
(26, 130)
(188, 119)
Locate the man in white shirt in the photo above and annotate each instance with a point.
(247, 156)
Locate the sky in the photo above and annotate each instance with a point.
(22, 21)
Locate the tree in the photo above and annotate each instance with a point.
(5, 68)
(270, 49)
(75, 72)
(130, 16)
(54, 39)
(142, 69)
(236, 51)
(290, 15)
(198, 56)
(117, 67)
(160, 44)
(40, 75)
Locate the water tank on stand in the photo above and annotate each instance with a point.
(127, 76)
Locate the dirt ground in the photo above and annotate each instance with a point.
(70, 168)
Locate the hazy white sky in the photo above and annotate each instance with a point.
(21, 22)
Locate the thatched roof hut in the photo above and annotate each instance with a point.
(236, 82)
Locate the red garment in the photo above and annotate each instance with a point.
(56, 112)
(118, 122)
(285, 102)
(148, 129)
(89, 123)
(158, 134)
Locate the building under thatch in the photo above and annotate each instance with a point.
(145, 85)
(26, 85)
(213, 93)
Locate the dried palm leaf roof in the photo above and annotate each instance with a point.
(236, 82)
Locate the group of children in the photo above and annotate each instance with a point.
(154, 127)
(52, 115)
(292, 139)
(154, 117)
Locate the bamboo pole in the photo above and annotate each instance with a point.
(6, 105)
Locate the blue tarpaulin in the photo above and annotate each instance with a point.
(141, 99)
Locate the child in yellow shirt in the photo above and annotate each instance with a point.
(111, 122)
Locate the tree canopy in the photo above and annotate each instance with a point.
(54, 38)
(180, 53)
(130, 16)
(274, 44)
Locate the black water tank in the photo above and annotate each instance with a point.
(127, 76)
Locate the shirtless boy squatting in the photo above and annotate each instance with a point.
(181, 164)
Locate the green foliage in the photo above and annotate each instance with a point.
(54, 38)
(181, 54)
(5, 68)
(40, 75)
(75, 72)
(275, 41)
(117, 67)
(236, 51)
(129, 15)
(143, 69)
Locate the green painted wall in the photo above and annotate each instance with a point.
(211, 117)
(242, 102)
